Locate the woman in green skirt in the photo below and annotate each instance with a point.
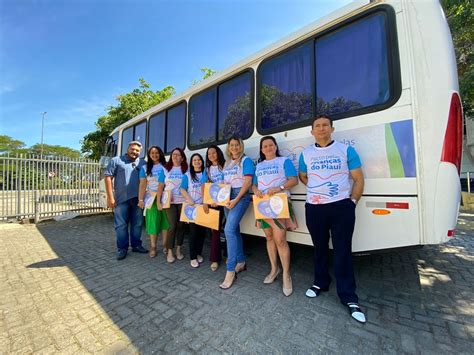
(276, 174)
(152, 178)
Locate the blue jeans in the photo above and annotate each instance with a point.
(125, 214)
(235, 248)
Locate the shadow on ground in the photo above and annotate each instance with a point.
(416, 300)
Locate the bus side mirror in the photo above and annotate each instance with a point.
(104, 161)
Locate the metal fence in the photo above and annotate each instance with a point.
(34, 187)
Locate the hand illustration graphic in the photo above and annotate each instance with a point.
(326, 189)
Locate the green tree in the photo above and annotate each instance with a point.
(54, 151)
(8, 145)
(206, 73)
(460, 15)
(129, 105)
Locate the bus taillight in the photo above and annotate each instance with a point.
(451, 233)
(452, 146)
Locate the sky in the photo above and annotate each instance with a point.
(71, 58)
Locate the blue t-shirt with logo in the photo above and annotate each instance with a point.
(328, 170)
(125, 172)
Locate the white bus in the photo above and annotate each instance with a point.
(385, 71)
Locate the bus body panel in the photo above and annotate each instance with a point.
(410, 196)
(435, 79)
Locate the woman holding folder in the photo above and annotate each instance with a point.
(152, 180)
(276, 174)
(191, 189)
(215, 162)
(176, 167)
(238, 173)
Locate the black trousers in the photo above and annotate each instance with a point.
(336, 221)
(197, 234)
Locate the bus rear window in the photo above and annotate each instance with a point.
(352, 67)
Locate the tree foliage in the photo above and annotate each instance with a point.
(13, 146)
(54, 151)
(10, 145)
(206, 73)
(129, 105)
(460, 15)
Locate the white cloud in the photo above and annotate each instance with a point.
(5, 88)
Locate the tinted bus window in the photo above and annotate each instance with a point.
(127, 137)
(352, 69)
(235, 107)
(285, 91)
(156, 130)
(176, 117)
(140, 135)
(111, 145)
(202, 118)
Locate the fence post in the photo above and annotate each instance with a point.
(37, 207)
(18, 187)
(468, 182)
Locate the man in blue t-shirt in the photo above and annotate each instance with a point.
(326, 168)
(122, 196)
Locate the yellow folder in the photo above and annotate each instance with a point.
(269, 207)
(196, 214)
(210, 220)
(216, 193)
(166, 198)
(188, 213)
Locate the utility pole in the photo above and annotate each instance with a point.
(42, 130)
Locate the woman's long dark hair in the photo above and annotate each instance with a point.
(220, 157)
(262, 156)
(149, 161)
(193, 172)
(184, 163)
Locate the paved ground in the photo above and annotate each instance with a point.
(63, 291)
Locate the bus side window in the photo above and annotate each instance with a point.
(285, 88)
(221, 111)
(352, 70)
(176, 122)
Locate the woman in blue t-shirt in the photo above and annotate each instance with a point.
(215, 162)
(238, 172)
(276, 174)
(176, 167)
(191, 189)
(152, 180)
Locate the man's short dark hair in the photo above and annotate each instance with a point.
(322, 116)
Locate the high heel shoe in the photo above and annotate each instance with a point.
(240, 267)
(214, 266)
(287, 291)
(225, 286)
(271, 278)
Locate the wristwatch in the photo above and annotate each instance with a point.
(282, 187)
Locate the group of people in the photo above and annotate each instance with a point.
(330, 170)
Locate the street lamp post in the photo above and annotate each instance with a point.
(42, 130)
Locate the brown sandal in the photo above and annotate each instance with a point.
(152, 253)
